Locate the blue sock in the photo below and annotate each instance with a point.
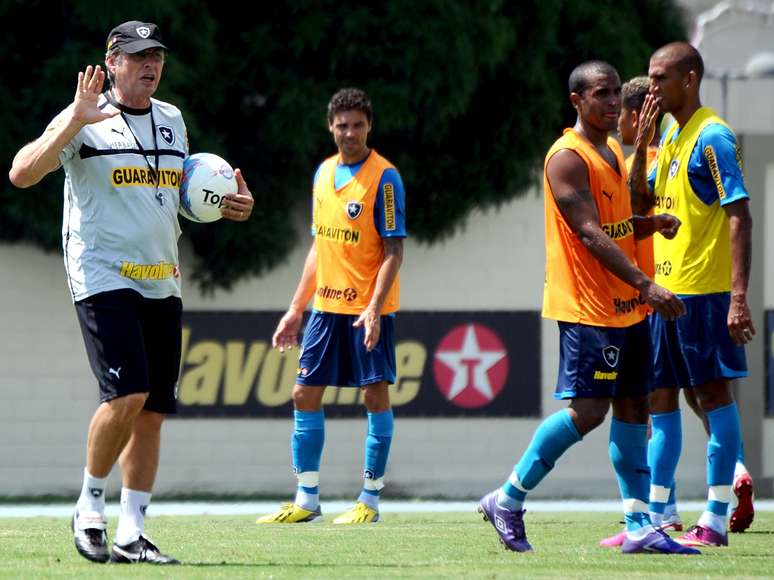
(628, 448)
(637, 521)
(664, 448)
(553, 437)
(722, 451)
(307, 446)
(740, 456)
(377, 450)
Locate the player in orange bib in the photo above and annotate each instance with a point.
(594, 290)
(358, 223)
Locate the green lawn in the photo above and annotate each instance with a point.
(402, 546)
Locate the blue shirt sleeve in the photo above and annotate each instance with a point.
(715, 166)
(314, 182)
(390, 206)
(652, 177)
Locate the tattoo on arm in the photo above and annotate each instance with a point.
(577, 206)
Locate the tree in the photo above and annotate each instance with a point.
(467, 98)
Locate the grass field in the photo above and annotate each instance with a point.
(402, 546)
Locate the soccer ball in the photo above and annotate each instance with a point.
(206, 179)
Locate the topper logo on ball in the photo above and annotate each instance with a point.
(212, 198)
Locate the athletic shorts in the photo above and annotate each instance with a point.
(696, 348)
(598, 361)
(332, 352)
(133, 345)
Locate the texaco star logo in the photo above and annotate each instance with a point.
(471, 366)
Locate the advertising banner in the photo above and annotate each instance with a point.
(449, 364)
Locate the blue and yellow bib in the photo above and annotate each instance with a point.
(698, 259)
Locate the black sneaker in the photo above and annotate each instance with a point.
(90, 536)
(141, 550)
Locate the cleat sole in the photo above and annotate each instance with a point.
(480, 510)
(741, 521)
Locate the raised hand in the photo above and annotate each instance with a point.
(85, 109)
(646, 124)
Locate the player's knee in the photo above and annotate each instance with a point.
(376, 397)
(128, 407)
(307, 398)
(151, 419)
(714, 396)
(664, 400)
(589, 417)
(376, 401)
(595, 418)
(631, 409)
(588, 414)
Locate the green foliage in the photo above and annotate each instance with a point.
(467, 97)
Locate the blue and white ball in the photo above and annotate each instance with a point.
(206, 179)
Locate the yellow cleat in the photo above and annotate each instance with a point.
(359, 514)
(290, 513)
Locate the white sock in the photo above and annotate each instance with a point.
(640, 533)
(92, 498)
(306, 500)
(131, 521)
(309, 500)
(714, 522)
(739, 469)
(656, 519)
(371, 501)
(670, 512)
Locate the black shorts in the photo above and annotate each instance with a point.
(133, 345)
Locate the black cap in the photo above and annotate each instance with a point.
(135, 36)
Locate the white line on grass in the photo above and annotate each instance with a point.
(195, 508)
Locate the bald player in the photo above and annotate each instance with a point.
(594, 290)
(698, 179)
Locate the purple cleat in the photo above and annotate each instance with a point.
(656, 542)
(509, 525)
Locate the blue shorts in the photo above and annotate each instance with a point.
(696, 348)
(333, 354)
(597, 361)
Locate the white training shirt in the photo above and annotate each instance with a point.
(119, 230)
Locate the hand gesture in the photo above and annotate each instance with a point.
(239, 205)
(85, 109)
(646, 125)
(663, 301)
(370, 320)
(667, 225)
(740, 325)
(286, 335)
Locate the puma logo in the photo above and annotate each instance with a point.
(115, 372)
(607, 195)
(121, 132)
